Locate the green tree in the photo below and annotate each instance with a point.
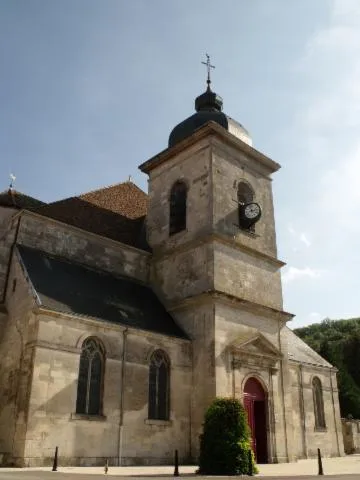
(225, 441)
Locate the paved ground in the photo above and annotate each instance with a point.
(334, 468)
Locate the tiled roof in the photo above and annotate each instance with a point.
(117, 212)
(300, 351)
(68, 287)
(14, 199)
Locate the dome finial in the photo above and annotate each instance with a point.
(209, 66)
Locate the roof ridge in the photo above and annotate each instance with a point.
(82, 195)
(112, 186)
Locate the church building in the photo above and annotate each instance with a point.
(123, 314)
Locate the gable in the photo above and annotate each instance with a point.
(254, 343)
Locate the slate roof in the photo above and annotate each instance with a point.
(300, 351)
(63, 286)
(14, 199)
(117, 212)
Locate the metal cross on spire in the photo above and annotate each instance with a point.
(209, 66)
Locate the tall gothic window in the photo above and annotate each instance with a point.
(178, 197)
(318, 403)
(159, 386)
(91, 378)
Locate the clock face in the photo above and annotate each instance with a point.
(252, 210)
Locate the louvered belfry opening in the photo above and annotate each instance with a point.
(178, 201)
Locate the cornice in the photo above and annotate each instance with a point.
(107, 325)
(210, 129)
(162, 253)
(230, 300)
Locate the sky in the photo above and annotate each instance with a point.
(90, 89)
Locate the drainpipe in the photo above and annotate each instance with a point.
(283, 393)
(333, 405)
(302, 411)
(233, 374)
(121, 409)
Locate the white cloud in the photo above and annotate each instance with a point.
(299, 236)
(305, 240)
(294, 273)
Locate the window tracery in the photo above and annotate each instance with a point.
(159, 386)
(91, 377)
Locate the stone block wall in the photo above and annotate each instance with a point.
(307, 438)
(8, 225)
(18, 330)
(351, 435)
(86, 440)
(63, 240)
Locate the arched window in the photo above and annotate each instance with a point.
(178, 196)
(245, 193)
(318, 403)
(159, 386)
(91, 377)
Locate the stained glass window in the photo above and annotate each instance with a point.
(90, 381)
(178, 197)
(159, 386)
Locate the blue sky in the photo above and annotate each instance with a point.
(89, 89)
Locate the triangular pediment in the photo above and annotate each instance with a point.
(254, 343)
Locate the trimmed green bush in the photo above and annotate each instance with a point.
(225, 441)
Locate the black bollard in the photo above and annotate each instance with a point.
(176, 470)
(54, 469)
(250, 466)
(321, 471)
(106, 469)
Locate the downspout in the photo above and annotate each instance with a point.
(283, 393)
(121, 407)
(233, 374)
(333, 405)
(302, 411)
(12, 248)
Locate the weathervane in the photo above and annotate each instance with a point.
(209, 66)
(12, 181)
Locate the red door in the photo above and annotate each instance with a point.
(255, 406)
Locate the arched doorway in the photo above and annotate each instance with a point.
(255, 404)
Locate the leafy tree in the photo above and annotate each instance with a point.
(225, 442)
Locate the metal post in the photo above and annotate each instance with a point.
(106, 469)
(250, 464)
(176, 470)
(321, 471)
(55, 463)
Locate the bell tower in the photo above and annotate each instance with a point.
(211, 227)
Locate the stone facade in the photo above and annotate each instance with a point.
(222, 286)
(351, 433)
